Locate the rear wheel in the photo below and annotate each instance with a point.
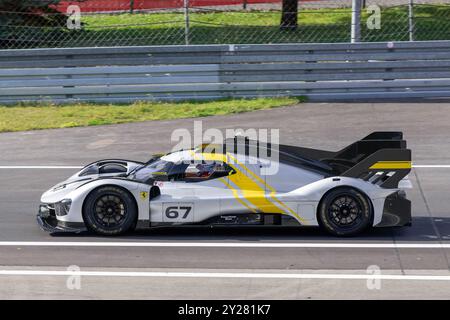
(345, 212)
(109, 211)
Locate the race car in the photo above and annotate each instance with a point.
(344, 192)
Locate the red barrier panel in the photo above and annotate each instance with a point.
(124, 5)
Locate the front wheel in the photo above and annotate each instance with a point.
(345, 212)
(109, 211)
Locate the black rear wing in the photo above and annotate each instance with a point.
(385, 135)
(359, 150)
(385, 167)
(381, 158)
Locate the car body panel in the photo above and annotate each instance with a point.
(295, 191)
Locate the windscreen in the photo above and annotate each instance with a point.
(156, 170)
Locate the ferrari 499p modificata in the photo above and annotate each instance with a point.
(344, 192)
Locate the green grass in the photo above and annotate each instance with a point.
(432, 22)
(216, 27)
(319, 25)
(41, 116)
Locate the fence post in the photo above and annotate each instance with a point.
(186, 22)
(411, 19)
(356, 21)
(131, 6)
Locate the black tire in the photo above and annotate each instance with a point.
(345, 212)
(110, 211)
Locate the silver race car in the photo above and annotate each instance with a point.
(344, 192)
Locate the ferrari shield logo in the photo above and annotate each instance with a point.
(144, 195)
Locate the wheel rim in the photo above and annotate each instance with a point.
(109, 211)
(345, 211)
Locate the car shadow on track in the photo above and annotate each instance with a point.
(422, 229)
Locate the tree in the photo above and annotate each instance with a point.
(289, 14)
(32, 12)
(17, 15)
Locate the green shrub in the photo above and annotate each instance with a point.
(24, 21)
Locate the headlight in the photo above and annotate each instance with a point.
(44, 211)
(62, 208)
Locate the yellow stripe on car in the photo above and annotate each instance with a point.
(272, 190)
(250, 189)
(236, 195)
(391, 165)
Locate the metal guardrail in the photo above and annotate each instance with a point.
(319, 71)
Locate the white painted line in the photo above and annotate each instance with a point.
(80, 167)
(431, 166)
(222, 275)
(227, 245)
(446, 166)
(40, 167)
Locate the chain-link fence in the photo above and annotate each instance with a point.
(54, 23)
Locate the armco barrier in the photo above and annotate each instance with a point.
(319, 71)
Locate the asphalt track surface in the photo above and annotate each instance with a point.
(235, 263)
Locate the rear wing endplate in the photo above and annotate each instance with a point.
(385, 167)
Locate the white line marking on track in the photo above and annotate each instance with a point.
(228, 245)
(431, 166)
(41, 167)
(221, 275)
(445, 166)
